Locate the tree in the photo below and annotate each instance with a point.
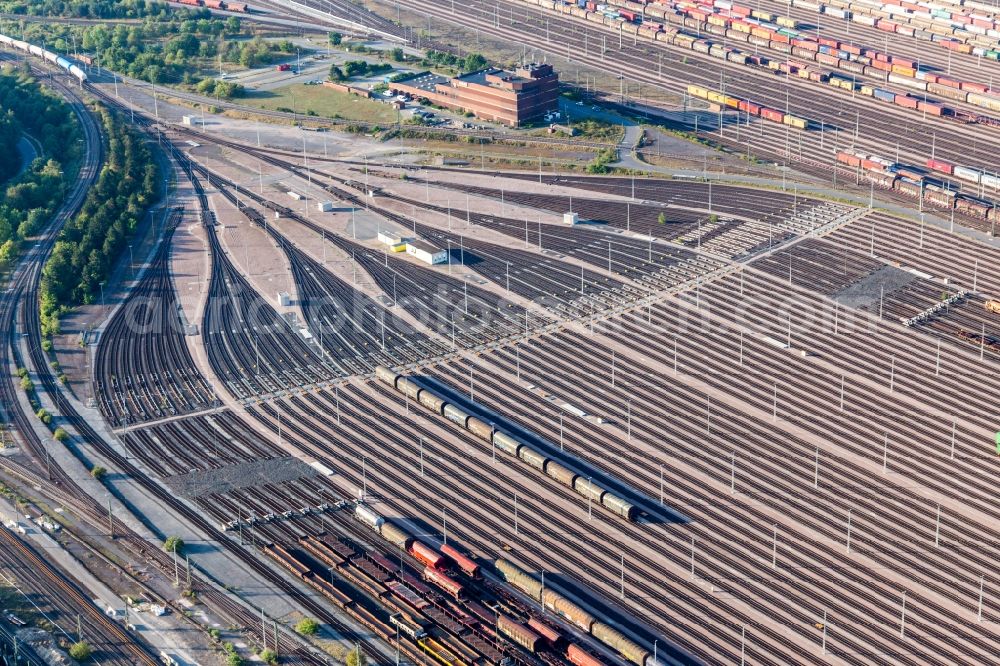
(269, 656)
(337, 74)
(173, 544)
(98, 472)
(356, 657)
(80, 651)
(473, 62)
(44, 416)
(397, 55)
(662, 218)
(336, 38)
(60, 435)
(307, 626)
(27, 385)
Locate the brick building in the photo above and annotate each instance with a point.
(513, 98)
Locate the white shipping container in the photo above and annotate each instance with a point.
(990, 181)
(863, 20)
(324, 206)
(916, 84)
(295, 195)
(965, 173)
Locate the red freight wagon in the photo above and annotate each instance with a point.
(771, 114)
(884, 66)
(938, 165)
(577, 656)
(847, 158)
(931, 108)
(284, 67)
(903, 62)
(826, 59)
(906, 101)
(975, 87)
(213, 4)
(236, 7)
(887, 26)
(778, 37)
(871, 165)
(850, 48)
(426, 555)
(467, 565)
(552, 636)
(453, 588)
(591, 6)
(951, 83)
(628, 15)
(833, 43)
(196, 3)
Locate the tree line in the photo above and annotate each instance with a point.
(91, 243)
(28, 199)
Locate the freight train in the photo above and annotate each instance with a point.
(916, 183)
(54, 58)
(506, 443)
(747, 107)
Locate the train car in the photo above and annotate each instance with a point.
(549, 634)
(620, 506)
(532, 458)
(446, 583)
(4, 39)
(506, 443)
(518, 633)
(35, 50)
(466, 564)
(938, 165)
(78, 73)
(613, 638)
(567, 609)
(480, 429)
(432, 401)
(560, 473)
(576, 655)
(425, 554)
(237, 7)
(407, 626)
(214, 4)
(455, 414)
(368, 516)
(386, 375)
(396, 536)
(50, 56)
(439, 652)
(408, 387)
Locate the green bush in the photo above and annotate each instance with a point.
(307, 626)
(269, 656)
(27, 385)
(44, 416)
(356, 657)
(60, 435)
(80, 651)
(174, 544)
(98, 472)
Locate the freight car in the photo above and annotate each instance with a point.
(465, 564)
(508, 444)
(59, 61)
(215, 4)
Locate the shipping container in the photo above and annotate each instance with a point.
(532, 457)
(432, 401)
(480, 429)
(966, 173)
(938, 165)
(560, 473)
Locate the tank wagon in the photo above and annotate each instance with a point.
(574, 614)
(54, 58)
(508, 444)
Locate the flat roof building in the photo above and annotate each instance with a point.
(513, 98)
(426, 252)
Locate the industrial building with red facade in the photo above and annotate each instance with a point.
(513, 98)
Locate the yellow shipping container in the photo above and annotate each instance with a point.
(732, 102)
(867, 91)
(763, 16)
(715, 19)
(799, 123)
(741, 27)
(786, 22)
(697, 91)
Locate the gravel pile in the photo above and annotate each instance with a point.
(866, 292)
